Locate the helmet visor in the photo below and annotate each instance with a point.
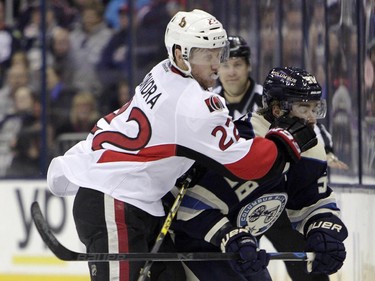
(313, 109)
(204, 56)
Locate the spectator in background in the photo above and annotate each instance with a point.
(342, 105)
(114, 61)
(25, 146)
(10, 42)
(292, 34)
(20, 57)
(60, 48)
(123, 94)
(32, 40)
(332, 160)
(152, 20)
(16, 76)
(23, 116)
(268, 37)
(59, 95)
(115, 98)
(31, 23)
(111, 14)
(316, 43)
(369, 78)
(64, 12)
(88, 41)
(83, 114)
(26, 159)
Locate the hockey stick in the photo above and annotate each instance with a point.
(167, 224)
(67, 255)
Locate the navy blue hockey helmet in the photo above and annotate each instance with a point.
(292, 84)
(238, 47)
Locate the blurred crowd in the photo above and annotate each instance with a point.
(97, 50)
(87, 69)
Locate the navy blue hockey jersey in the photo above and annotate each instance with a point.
(216, 200)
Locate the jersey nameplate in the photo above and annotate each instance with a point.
(259, 215)
(149, 90)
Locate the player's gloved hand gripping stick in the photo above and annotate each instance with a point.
(325, 237)
(252, 259)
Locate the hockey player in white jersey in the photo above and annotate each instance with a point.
(133, 156)
(219, 214)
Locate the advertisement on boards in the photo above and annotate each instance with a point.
(23, 254)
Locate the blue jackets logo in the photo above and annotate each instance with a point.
(259, 215)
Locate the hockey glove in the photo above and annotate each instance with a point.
(244, 129)
(293, 135)
(253, 260)
(325, 237)
(195, 173)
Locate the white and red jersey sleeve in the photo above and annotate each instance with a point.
(136, 153)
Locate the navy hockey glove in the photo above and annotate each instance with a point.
(325, 237)
(196, 172)
(244, 129)
(292, 134)
(240, 241)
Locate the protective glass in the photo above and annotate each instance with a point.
(315, 109)
(203, 56)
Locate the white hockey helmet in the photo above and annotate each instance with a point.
(195, 29)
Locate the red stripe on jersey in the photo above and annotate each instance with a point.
(144, 155)
(122, 234)
(259, 160)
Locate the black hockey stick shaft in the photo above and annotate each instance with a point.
(165, 228)
(65, 254)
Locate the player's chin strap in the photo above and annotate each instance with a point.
(184, 72)
(188, 73)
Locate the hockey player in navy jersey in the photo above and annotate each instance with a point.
(219, 214)
(133, 156)
(242, 95)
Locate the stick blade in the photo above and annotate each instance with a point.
(47, 236)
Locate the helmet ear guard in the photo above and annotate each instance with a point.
(271, 95)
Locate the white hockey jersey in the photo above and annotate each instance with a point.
(136, 153)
